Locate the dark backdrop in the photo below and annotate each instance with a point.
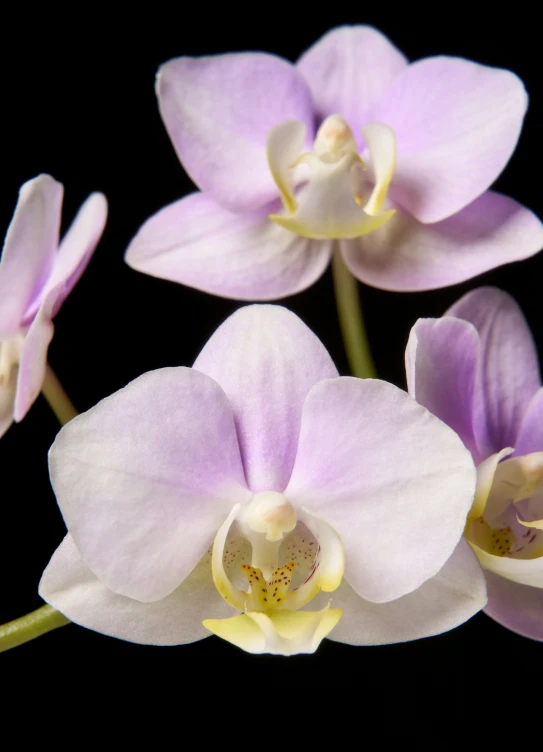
(78, 102)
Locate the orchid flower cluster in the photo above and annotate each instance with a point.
(258, 495)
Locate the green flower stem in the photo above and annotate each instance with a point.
(351, 320)
(28, 627)
(58, 400)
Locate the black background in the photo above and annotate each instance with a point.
(78, 102)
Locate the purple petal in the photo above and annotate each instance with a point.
(348, 71)
(442, 358)
(77, 247)
(218, 112)
(33, 362)
(457, 124)
(530, 435)
(406, 255)
(455, 594)
(266, 360)
(509, 366)
(70, 586)
(514, 606)
(394, 482)
(246, 257)
(29, 250)
(146, 477)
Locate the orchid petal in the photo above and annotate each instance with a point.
(284, 146)
(524, 571)
(145, 478)
(328, 566)
(33, 361)
(231, 594)
(394, 482)
(71, 587)
(486, 471)
(457, 124)
(29, 250)
(77, 247)
(518, 608)
(509, 365)
(405, 255)
(349, 70)
(218, 112)
(266, 360)
(381, 142)
(443, 602)
(277, 632)
(196, 243)
(530, 434)
(442, 356)
(536, 524)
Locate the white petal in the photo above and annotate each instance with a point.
(70, 586)
(442, 603)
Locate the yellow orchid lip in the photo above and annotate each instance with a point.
(491, 529)
(277, 632)
(264, 522)
(338, 200)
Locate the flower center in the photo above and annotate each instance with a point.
(341, 198)
(271, 622)
(510, 523)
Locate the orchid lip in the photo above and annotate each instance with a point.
(497, 527)
(266, 522)
(341, 197)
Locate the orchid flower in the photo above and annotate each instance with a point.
(351, 146)
(476, 369)
(36, 276)
(229, 497)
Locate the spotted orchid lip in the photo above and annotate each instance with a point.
(269, 583)
(504, 542)
(340, 199)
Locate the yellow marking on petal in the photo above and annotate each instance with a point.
(284, 144)
(277, 632)
(267, 594)
(241, 631)
(366, 225)
(381, 141)
(497, 542)
(536, 524)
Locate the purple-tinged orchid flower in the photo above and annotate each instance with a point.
(352, 145)
(36, 276)
(250, 483)
(476, 369)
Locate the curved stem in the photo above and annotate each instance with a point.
(28, 627)
(58, 400)
(351, 320)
